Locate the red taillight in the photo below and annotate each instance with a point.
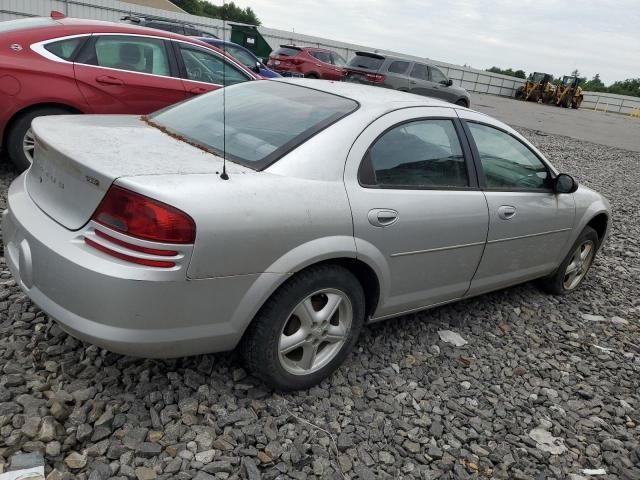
(297, 61)
(375, 78)
(144, 218)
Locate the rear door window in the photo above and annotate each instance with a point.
(424, 153)
(420, 71)
(241, 55)
(324, 57)
(65, 49)
(338, 60)
(398, 67)
(134, 54)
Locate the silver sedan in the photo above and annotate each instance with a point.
(281, 216)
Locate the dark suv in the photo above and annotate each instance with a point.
(175, 27)
(406, 75)
(310, 62)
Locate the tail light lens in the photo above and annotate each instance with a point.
(375, 78)
(144, 218)
(297, 61)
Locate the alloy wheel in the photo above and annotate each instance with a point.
(29, 145)
(579, 265)
(315, 331)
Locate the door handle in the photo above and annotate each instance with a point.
(412, 82)
(108, 80)
(382, 217)
(198, 90)
(506, 212)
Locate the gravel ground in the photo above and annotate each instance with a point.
(545, 388)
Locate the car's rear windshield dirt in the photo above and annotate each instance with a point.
(253, 123)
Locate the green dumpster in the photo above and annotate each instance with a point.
(249, 37)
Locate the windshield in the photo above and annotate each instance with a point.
(365, 61)
(256, 123)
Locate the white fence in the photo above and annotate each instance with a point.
(472, 79)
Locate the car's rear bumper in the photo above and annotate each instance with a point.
(101, 300)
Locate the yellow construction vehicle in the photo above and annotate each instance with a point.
(538, 87)
(568, 93)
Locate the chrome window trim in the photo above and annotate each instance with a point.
(39, 48)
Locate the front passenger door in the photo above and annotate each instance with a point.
(529, 224)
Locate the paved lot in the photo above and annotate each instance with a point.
(609, 129)
(545, 388)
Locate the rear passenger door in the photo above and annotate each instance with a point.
(131, 74)
(397, 75)
(205, 70)
(417, 211)
(529, 224)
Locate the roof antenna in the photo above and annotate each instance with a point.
(224, 175)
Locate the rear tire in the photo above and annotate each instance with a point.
(20, 140)
(312, 75)
(306, 329)
(573, 270)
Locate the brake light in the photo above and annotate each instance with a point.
(145, 218)
(375, 78)
(297, 61)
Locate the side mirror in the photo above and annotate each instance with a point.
(565, 183)
(257, 67)
(449, 83)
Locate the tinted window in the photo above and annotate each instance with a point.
(506, 162)
(207, 67)
(288, 115)
(241, 55)
(398, 67)
(136, 54)
(338, 60)
(322, 56)
(425, 153)
(167, 27)
(287, 52)
(191, 32)
(366, 61)
(420, 71)
(64, 48)
(437, 76)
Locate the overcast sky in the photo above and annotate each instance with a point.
(553, 36)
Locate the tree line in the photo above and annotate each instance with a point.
(630, 86)
(227, 11)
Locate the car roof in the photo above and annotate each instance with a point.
(368, 96)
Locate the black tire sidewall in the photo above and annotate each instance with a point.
(16, 134)
(270, 321)
(555, 283)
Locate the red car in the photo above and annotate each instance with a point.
(310, 62)
(58, 65)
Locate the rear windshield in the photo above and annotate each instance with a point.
(24, 23)
(262, 121)
(287, 52)
(365, 61)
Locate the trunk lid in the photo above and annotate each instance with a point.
(78, 157)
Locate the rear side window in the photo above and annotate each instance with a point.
(366, 61)
(287, 116)
(135, 54)
(398, 67)
(287, 52)
(425, 153)
(338, 60)
(64, 48)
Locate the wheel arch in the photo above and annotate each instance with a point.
(600, 223)
(36, 106)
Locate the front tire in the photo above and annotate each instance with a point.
(575, 266)
(20, 138)
(306, 329)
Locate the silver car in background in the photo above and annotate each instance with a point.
(339, 204)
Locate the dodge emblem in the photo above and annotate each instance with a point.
(16, 47)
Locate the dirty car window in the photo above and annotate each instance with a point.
(255, 122)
